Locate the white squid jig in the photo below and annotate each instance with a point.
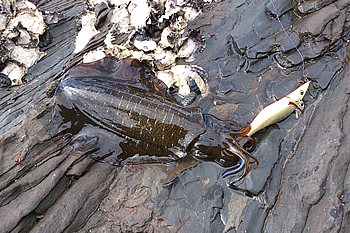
(278, 110)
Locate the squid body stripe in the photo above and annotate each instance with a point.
(127, 106)
(172, 117)
(98, 92)
(164, 118)
(120, 102)
(136, 105)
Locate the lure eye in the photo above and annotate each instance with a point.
(301, 92)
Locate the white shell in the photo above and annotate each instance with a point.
(26, 56)
(164, 42)
(26, 39)
(121, 19)
(189, 49)
(146, 45)
(166, 77)
(164, 59)
(183, 73)
(14, 72)
(87, 31)
(3, 22)
(30, 19)
(93, 56)
(180, 75)
(24, 5)
(190, 13)
(139, 13)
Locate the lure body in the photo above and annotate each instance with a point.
(278, 110)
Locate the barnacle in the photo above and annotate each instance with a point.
(21, 25)
(156, 32)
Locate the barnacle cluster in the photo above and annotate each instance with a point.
(21, 24)
(150, 30)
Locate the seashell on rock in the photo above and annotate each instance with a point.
(193, 44)
(51, 17)
(121, 19)
(93, 56)
(87, 31)
(176, 7)
(11, 33)
(160, 25)
(21, 25)
(188, 78)
(22, 37)
(166, 76)
(30, 19)
(25, 5)
(190, 13)
(165, 38)
(157, 32)
(3, 21)
(164, 59)
(189, 49)
(145, 45)
(14, 72)
(26, 56)
(139, 13)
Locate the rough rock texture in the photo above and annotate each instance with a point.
(301, 185)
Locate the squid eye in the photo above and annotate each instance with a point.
(302, 92)
(198, 153)
(247, 143)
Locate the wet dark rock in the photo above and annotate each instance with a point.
(328, 66)
(313, 24)
(334, 28)
(255, 213)
(45, 39)
(103, 14)
(312, 6)
(268, 151)
(4, 80)
(278, 8)
(310, 192)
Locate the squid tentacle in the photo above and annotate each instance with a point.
(232, 148)
(245, 152)
(241, 132)
(246, 167)
(233, 170)
(244, 163)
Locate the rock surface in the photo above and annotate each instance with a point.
(301, 185)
